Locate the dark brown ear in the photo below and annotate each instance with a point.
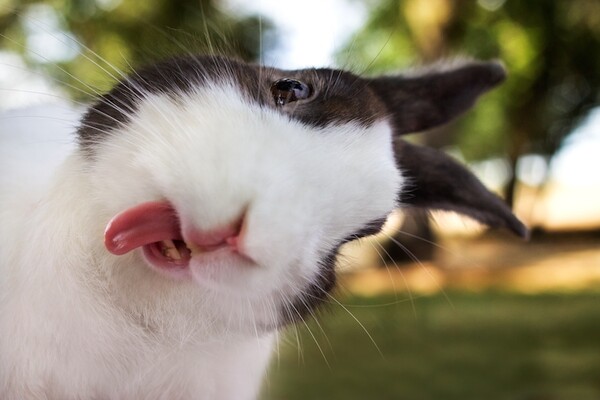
(435, 97)
(435, 181)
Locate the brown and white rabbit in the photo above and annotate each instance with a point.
(201, 210)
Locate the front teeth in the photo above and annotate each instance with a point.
(169, 250)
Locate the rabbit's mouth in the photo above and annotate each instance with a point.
(155, 227)
(170, 254)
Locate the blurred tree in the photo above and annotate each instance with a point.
(551, 50)
(95, 34)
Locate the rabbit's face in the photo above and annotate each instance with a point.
(248, 197)
(243, 181)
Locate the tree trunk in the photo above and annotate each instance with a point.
(511, 186)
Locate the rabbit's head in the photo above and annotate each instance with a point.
(244, 181)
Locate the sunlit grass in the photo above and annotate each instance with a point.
(489, 345)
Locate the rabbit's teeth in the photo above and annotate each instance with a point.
(169, 249)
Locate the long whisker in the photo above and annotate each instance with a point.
(438, 245)
(205, 27)
(42, 26)
(290, 317)
(49, 95)
(52, 78)
(94, 90)
(417, 261)
(385, 264)
(387, 41)
(135, 90)
(357, 321)
(408, 289)
(316, 320)
(310, 332)
(388, 304)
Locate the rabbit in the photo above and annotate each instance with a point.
(200, 210)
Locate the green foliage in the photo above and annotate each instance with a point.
(122, 34)
(466, 346)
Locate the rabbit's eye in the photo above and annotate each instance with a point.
(288, 90)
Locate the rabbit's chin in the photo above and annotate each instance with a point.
(222, 292)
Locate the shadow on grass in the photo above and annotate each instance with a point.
(488, 345)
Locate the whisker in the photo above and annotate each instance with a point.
(42, 26)
(388, 304)
(205, 27)
(385, 264)
(49, 95)
(387, 41)
(358, 322)
(310, 332)
(52, 78)
(94, 90)
(316, 320)
(417, 261)
(402, 276)
(435, 244)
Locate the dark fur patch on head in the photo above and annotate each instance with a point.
(172, 77)
(337, 97)
(411, 103)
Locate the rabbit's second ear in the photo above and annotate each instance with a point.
(436, 96)
(436, 181)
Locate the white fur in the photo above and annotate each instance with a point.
(77, 322)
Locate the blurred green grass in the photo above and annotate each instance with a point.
(461, 345)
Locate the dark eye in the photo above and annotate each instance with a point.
(288, 90)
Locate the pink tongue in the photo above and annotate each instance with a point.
(141, 225)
